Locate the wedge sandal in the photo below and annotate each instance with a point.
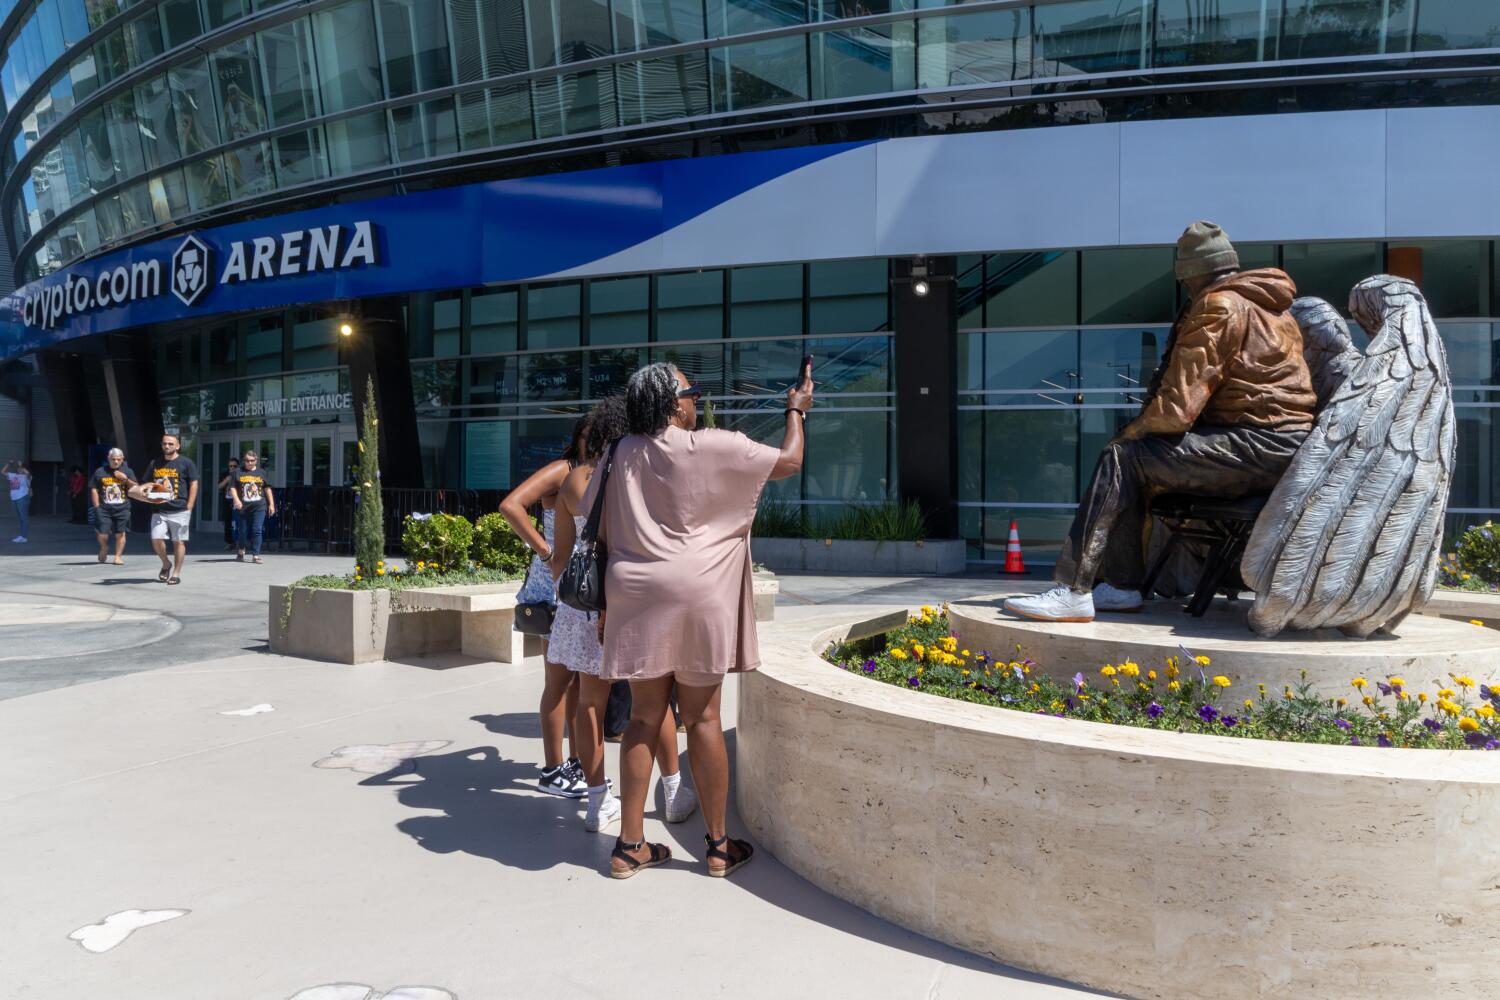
(730, 864)
(659, 855)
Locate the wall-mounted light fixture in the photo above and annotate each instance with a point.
(919, 285)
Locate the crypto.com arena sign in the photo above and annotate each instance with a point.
(193, 270)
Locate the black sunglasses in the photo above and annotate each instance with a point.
(691, 390)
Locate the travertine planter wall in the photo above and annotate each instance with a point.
(357, 626)
(817, 555)
(1151, 864)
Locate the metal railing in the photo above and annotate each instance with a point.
(321, 518)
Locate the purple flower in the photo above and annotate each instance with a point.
(984, 654)
(1492, 745)
(1154, 710)
(1078, 681)
(1476, 740)
(1354, 741)
(1432, 724)
(1384, 740)
(1385, 688)
(1343, 724)
(914, 682)
(1489, 694)
(1486, 533)
(1208, 713)
(1020, 673)
(869, 666)
(1229, 721)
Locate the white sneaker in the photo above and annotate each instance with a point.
(683, 804)
(607, 813)
(1060, 604)
(1109, 598)
(19, 538)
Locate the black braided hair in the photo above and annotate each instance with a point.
(651, 398)
(573, 453)
(608, 422)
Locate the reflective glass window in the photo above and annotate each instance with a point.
(414, 34)
(248, 167)
(765, 301)
(620, 310)
(1312, 29)
(107, 214)
(447, 324)
(489, 38)
(703, 364)
(314, 340)
(1457, 24)
(1031, 289)
(735, 17)
(74, 177)
(690, 305)
(644, 24)
(424, 130)
(31, 51)
(180, 22)
(564, 31)
(124, 137)
(158, 128)
(757, 74)
(1330, 270)
(553, 317)
(493, 321)
(98, 163)
(965, 49)
(1128, 286)
(357, 143)
(347, 59)
(241, 98)
(221, 12)
(135, 208)
(609, 371)
(287, 68)
(206, 183)
(1092, 36)
(848, 296)
(1229, 31)
(1455, 275)
(1122, 360)
(143, 40)
(847, 457)
(99, 11)
(193, 102)
(169, 200)
(300, 157)
(75, 22)
(852, 62)
(263, 337)
(665, 88)
(575, 102)
(497, 116)
(47, 20)
(111, 57)
(84, 76)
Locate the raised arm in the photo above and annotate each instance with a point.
(544, 482)
(799, 399)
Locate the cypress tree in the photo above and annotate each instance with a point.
(369, 514)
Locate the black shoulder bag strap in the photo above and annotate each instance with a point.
(596, 513)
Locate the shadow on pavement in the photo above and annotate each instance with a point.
(522, 725)
(118, 580)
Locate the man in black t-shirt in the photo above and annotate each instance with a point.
(109, 489)
(172, 485)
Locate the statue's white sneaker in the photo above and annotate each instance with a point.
(1108, 598)
(1060, 604)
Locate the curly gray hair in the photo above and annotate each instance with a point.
(651, 398)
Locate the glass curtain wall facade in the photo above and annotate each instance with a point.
(1055, 350)
(126, 117)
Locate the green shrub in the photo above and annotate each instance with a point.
(437, 540)
(1479, 552)
(497, 546)
(777, 518)
(892, 521)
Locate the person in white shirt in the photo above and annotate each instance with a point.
(18, 477)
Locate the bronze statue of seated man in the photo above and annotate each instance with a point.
(1226, 412)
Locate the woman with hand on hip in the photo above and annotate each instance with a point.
(681, 605)
(560, 685)
(575, 641)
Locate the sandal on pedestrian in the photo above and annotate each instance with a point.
(659, 854)
(174, 581)
(746, 852)
(162, 576)
(102, 557)
(240, 557)
(255, 559)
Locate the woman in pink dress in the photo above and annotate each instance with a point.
(677, 513)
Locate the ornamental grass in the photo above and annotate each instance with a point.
(1180, 695)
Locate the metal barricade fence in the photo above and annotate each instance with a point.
(321, 518)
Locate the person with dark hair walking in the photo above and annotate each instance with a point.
(681, 611)
(230, 516)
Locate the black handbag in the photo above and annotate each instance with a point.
(534, 617)
(582, 583)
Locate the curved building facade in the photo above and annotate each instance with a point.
(510, 204)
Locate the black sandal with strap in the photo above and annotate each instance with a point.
(659, 855)
(746, 853)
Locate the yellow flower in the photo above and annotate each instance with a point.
(1445, 692)
(898, 654)
(1130, 669)
(1115, 681)
(1173, 685)
(1368, 701)
(1034, 688)
(1397, 682)
(1450, 707)
(1422, 697)
(1107, 671)
(1342, 702)
(1485, 711)
(1172, 670)
(1464, 681)
(1360, 683)
(965, 673)
(925, 620)
(919, 671)
(381, 572)
(1249, 703)
(1151, 675)
(1202, 661)
(965, 654)
(1221, 681)
(1467, 724)
(918, 649)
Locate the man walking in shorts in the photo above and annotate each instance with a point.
(173, 487)
(109, 490)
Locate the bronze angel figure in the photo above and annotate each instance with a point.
(1350, 537)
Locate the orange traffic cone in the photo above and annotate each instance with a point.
(1014, 564)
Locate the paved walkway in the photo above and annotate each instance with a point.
(212, 822)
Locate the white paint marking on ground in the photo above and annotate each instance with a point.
(358, 991)
(377, 758)
(252, 710)
(116, 927)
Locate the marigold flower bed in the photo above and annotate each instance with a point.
(1180, 695)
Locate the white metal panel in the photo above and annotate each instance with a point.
(1442, 178)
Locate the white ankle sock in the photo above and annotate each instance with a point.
(596, 796)
(669, 783)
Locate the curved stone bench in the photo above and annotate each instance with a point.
(1148, 863)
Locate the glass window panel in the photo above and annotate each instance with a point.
(99, 11)
(498, 116)
(347, 59)
(135, 208)
(703, 364)
(1312, 29)
(690, 306)
(1455, 275)
(249, 168)
(736, 17)
(1476, 474)
(575, 102)
(844, 364)
(221, 12)
(424, 130)
(286, 58)
(1229, 31)
(358, 143)
(180, 22)
(157, 124)
(143, 41)
(263, 337)
(551, 376)
(1472, 356)
(766, 301)
(1120, 360)
(84, 75)
(1041, 456)
(620, 310)
(494, 380)
(493, 321)
(1456, 24)
(969, 270)
(1330, 270)
(662, 89)
(609, 371)
(877, 59)
(1026, 359)
(848, 296)
(241, 97)
(489, 39)
(107, 213)
(415, 36)
(1031, 289)
(206, 185)
(447, 324)
(73, 179)
(847, 455)
(124, 137)
(169, 200)
(46, 18)
(314, 340)
(1128, 286)
(1042, 532)
(644, 24)
(975, 48)
(300, 157)
(223, 352)
(193, 102)
(564, 31)
(553, 316)
(757, 74)
(970, 365)
(1092, 36)
(110, 57)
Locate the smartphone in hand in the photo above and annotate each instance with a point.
(804, 373)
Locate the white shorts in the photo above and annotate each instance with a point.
(170, 525)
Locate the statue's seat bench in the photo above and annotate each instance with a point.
(1222, 525)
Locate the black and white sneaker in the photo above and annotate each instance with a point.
(563, 780)
(574, 767)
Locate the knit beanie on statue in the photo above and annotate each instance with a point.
(1204, 249)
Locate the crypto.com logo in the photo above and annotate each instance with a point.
(190, 271)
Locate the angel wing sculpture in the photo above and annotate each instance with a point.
(1351, 534)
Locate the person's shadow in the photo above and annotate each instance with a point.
(491, 809)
